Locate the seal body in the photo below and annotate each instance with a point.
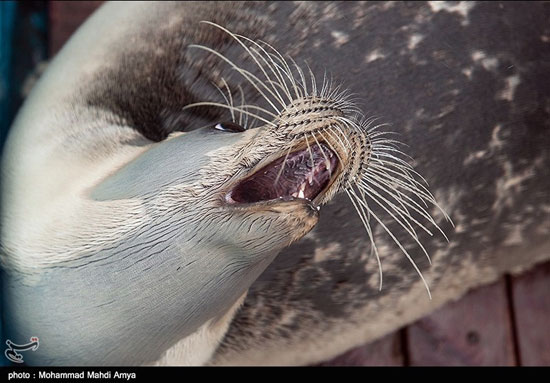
(472, 110)
(463, 85)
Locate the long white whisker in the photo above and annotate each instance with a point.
(229, 107)
(230, 99)
(238, 40)
(301, 74)
(408, 183)
(310, 153)
(225, 99)
(275, 71)
(287, 70)
(284, 161)
(373, 194)
(368, 229)
(412, 204)
(330, 145)
(246, 74)
(396, 241)
(401, 209)
(245, 125)
(327, 162)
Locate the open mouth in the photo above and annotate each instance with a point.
(305, 174)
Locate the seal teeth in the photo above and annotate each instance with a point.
(288, 178)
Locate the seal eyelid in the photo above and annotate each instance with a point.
(229, 127)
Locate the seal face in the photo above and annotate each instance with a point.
(178, 223)
(328, 141)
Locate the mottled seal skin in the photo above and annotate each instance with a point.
(463, 84)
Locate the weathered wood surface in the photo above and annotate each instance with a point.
(475, 331)
(531, 302)
(386, 351)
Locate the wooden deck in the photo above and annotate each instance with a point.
(503, 324)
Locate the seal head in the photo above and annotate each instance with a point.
(141, 244)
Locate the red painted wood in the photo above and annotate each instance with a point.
(384, 352)
(531, 294)
(475, 331)
(65, 18)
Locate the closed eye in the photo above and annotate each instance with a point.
(230, 127)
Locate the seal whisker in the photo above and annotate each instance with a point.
(378, 171)
(288, 75)
(398, 163)
(246, 74)
(283, 89)
(287, 70)
(270, 64)
(389, 182)
(241, 110)
(230, 99)
(226, 101)
(376, 127)
(406, 177)
(329, 143)
(284, 161)
(241, 122)
(342, 134)
(401, 210)
(414, 185)
(310, 153)
(301, 74)
(386, 179)
(290, 79)
(365, 124)
(323, 152)
(313, 81)
(396, 241)
(389, 148)
(276, 72)
(364, 216)
(396, 194)
(336, 136)
(372, 193)
(325, 84)
(277, 96)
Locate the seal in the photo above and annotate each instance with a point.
(135, 218)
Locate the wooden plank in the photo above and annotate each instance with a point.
(386, 351)
(65, 18)
(475, 331)
(531, 298)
